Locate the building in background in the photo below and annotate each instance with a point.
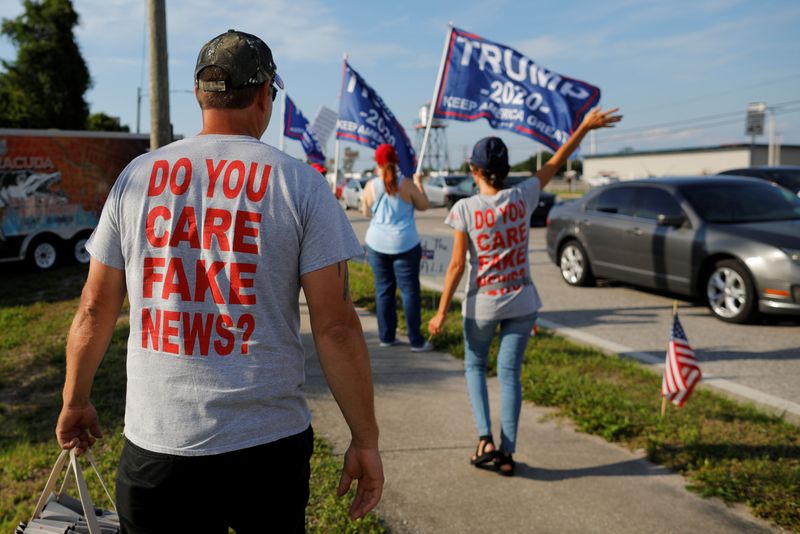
(683, 161)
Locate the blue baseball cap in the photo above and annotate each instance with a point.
(491, 155)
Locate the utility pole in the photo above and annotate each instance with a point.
(160, 133)
(138, 107)
(771, 137)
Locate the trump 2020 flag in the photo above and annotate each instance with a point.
(482, 79)
(365, 119)
(295, 126)
(681, 370)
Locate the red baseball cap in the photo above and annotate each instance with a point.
(385, 154)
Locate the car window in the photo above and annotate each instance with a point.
(352, 184)
(741, 203)
(456, 180)
(436, 181)
(617, 200)
(787, 178)
(652, 202)
(464, 186)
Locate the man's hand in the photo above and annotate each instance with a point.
(363, 465)
(597, 118)
(78, 427)
(344, 359)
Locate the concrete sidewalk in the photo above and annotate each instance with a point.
(566, 481)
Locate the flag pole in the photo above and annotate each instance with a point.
(282, 141)
(336, 147)
(436, 88)
(664, 399)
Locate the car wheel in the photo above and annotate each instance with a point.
(730, 293)
(79, 252)
(574, 264)
(43, 253)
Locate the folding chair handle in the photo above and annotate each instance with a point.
(83, 490)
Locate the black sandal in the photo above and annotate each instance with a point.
(481, 456)
(504, 458)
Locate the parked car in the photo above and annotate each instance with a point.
(786, 176)
(546, 201)
(340, 187)
(732, 241)
(600, 180)
(447, 190)
(351, 194)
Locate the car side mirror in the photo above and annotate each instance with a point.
(671, 220)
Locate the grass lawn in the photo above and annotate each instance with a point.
(35, 313)
(724, 449)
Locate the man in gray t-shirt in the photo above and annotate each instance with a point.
(212, 238)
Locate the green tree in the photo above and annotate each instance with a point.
(100, 122)
(45, 86)
(529, 165)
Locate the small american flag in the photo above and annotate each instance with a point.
(681, 370)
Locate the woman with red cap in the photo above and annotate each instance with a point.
(492, 226)
(393, 247)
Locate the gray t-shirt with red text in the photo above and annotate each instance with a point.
(499, 276)
(214, 233)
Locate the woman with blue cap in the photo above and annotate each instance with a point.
(493, 227)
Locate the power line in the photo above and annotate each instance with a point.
(718, 93)
(696, 123)
(701, 126)
(699, 119)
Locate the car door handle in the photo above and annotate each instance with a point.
(635, 231)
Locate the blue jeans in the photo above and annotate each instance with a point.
(391, 271)
(514, 335)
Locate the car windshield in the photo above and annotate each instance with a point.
(461, 183)
(789, 179)
(742, 203)
(364, 181)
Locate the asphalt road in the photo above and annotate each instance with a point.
(759, 362)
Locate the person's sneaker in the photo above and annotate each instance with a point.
(390, 343)
(425, 347)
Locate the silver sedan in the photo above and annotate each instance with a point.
(734, 242)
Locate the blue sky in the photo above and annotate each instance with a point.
(661, 62)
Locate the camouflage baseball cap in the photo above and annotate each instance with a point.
(244, 57)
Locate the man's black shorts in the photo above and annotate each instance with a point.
(259, 489)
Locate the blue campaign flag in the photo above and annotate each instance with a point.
(365, 119)
(483, 79)
(295, 126)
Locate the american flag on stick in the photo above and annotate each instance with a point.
(681, 370)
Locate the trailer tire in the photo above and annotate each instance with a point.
(44, 253)
(80, 255)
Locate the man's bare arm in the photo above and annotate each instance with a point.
(89, 336)
(345, 361)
